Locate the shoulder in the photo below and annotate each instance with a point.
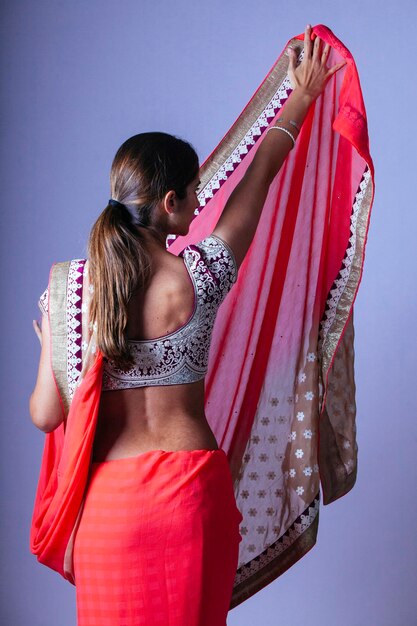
(213, 254)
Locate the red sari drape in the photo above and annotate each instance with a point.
(280, 391)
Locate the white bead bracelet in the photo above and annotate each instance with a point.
(284, 130)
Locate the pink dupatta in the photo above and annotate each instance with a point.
(280, 391)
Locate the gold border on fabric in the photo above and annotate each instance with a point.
(338, 481)
(346, 299)
(246, 119)
(269, 572)
(266, 572)
(59, 333)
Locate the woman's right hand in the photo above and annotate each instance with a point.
(312, 74)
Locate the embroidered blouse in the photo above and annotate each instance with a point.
(180, 356)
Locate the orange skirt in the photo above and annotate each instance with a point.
(158, 541)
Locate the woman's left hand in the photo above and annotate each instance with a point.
(312, 74)
(37, 330)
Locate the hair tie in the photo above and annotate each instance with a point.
(136, 221)
(117, 203)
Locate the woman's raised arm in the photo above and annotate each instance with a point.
(240, 216)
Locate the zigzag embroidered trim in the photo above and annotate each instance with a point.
(251, 137)
(340, 282)
(297, 528)
(74, 336)
(43, 302)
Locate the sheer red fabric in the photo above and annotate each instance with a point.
(283, 340)
(282, 345)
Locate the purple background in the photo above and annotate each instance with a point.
(78, 78)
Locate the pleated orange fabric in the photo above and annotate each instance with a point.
(157, 541)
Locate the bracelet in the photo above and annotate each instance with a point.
(290, 122)
(284, 130)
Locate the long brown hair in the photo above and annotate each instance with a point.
(145, 168)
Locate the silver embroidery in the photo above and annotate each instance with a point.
(74, 290)
(182, 356)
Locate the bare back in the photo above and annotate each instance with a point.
(169, 417)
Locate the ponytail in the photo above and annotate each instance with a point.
(144, 169)
(119, 264)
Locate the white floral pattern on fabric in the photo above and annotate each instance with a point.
(182, 356)
(280, 457)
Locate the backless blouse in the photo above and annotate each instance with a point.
(181, 356)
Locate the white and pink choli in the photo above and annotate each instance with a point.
(181, 356)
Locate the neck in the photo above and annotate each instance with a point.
(154, 236)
